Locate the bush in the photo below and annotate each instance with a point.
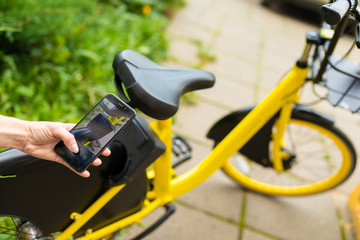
(56, 56)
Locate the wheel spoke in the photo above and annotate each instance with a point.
(318, 154)
(10, 226)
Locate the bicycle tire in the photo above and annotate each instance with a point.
(14, 228)
(333, 152)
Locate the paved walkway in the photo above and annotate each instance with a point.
(248, 48)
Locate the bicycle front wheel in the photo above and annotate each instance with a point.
(319, 157)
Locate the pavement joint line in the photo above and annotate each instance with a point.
(250, 11)
(260, 232)
(217, 31)
(237, 80)
(344, 226)
(241, 58)
(258, 63)
(203, 54)
(228, 221)
(259, 66)
(286, 24)
(207, 213)
(242, 215)
(340, 223)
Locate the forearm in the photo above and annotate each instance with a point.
(13, 132)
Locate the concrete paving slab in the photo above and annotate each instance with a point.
(185, 51)
(255, 235)
(229, 94)
(311, 217)
(345, 220)
(188, 223)
(218, 196)
(233, 68)
(229, 43)
(192, 122)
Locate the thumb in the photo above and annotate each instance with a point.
(68, 139)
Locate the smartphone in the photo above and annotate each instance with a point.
(95, 131)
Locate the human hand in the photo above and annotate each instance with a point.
(43, 136)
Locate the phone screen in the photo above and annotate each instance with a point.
(95, 131)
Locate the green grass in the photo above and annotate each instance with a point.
(8, 226)
(56, 56)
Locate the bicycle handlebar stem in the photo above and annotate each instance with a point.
(341, 9)
(330, 49)
(312, 38)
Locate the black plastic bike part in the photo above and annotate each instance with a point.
(331, 47)
(343, 83)
(288, 162)
(313, 37)
(169, 210)
(257, 148)
(316, 62)
(357, 35)
(152, 88)
(143, 147)
(356, 13)
(182, 150)
(332, 13)
(318, 54)
(46, 193)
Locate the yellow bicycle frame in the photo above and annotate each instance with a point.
(167, 188)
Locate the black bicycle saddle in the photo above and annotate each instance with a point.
(152, 88)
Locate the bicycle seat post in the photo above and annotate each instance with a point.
(163, 164)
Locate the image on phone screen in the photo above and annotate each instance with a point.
(99, 126)
(95, 131)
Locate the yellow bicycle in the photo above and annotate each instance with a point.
(277, 147)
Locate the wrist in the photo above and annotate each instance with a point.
(13, 132)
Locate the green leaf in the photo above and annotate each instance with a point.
(88, 54)
(25, 91)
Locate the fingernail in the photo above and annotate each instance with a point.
(75, 148)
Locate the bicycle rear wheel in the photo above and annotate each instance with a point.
(13, 228)
(318, 157)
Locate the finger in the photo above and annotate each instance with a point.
(106, 152)
(69, 126)
(84, 174)
(67, 138)
(96, 162)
